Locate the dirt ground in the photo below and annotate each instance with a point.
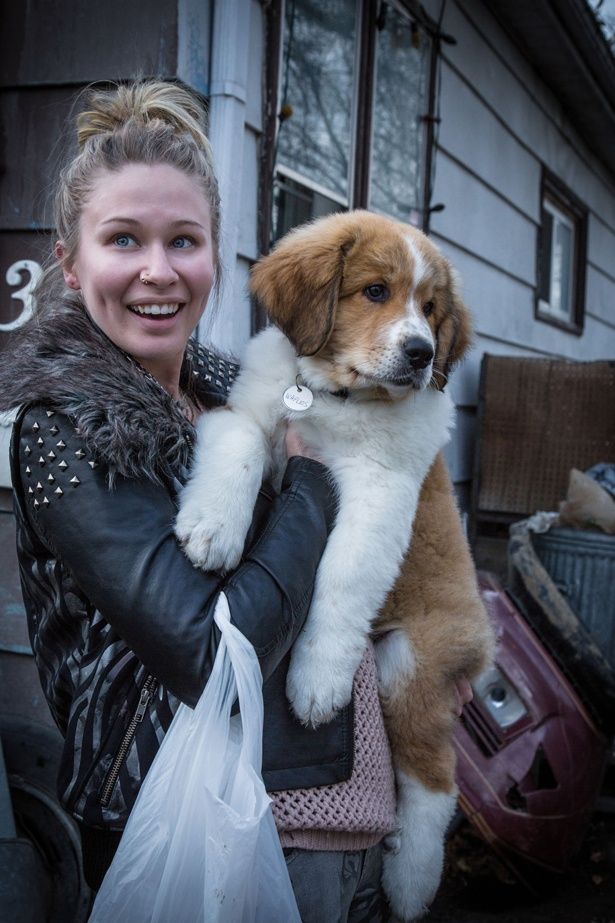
(478, 889)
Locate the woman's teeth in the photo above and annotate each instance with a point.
(154, 308)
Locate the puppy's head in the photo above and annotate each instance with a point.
(372, 301)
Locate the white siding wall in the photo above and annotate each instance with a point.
(500, 123)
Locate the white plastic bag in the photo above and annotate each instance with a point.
(201, 845)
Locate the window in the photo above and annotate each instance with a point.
(397, 158)
(560, 290)
(314, 141)
(354, 93)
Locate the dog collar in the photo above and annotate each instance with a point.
(299, 396)
(342, 393)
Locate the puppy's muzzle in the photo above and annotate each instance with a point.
(418, 353)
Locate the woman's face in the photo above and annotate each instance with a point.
(151, 222)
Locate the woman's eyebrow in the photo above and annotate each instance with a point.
(120, 219)
(179, 222)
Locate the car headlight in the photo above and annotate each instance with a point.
(499, 697)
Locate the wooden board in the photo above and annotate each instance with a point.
(72, 42)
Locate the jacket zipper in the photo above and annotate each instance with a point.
(147, 693)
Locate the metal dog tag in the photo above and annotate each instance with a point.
(298, 398)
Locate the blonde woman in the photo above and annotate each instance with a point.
(109, 385)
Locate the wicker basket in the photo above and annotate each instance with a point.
(538, 418)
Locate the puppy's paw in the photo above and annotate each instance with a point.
(318, 684)
(213, 551)
(209, 542)
(413, 856)
(410, 875)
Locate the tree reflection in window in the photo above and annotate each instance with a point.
(402, 56)
(318, 86)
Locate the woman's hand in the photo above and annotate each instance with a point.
(463, 694)
(296, 446)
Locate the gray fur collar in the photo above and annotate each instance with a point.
(63, 360)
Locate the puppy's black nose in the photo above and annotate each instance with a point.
(418, 351)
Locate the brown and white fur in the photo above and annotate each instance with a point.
(368, 316)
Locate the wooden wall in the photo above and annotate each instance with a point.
(48, 53)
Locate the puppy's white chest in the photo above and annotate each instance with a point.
(393, 433)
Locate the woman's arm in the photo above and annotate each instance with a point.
(120, 547)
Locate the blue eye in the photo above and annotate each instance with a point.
(123, 240)
(180, 243)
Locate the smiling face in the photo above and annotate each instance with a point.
(147, 222)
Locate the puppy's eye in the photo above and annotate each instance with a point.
(428, 308)
(376, 292)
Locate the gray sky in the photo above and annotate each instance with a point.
(607, 13)
(608, 7)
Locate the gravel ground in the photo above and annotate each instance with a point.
(477, 889)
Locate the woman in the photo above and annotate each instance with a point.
(120, 623)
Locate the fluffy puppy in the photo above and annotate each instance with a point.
(368, 323)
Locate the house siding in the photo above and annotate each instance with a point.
(500, 125)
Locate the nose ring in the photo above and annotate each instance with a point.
(144, 280)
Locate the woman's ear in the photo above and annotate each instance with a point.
(68, 270)
(298, 283)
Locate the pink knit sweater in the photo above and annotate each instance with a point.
(357, 813)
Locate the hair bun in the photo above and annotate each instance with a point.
(148, 101)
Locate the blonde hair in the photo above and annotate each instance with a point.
(148, 122)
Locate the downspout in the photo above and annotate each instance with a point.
(229, 53)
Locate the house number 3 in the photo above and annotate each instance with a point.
(14, 277)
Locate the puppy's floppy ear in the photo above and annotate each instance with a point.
(298, 283)
(454, 332)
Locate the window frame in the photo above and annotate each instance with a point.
(566, 206)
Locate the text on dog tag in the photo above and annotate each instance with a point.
(298, 398)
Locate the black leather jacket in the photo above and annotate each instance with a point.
(121, 624)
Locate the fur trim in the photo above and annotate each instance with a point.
(62, 359)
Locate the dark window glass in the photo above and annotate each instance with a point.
(294, 203)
